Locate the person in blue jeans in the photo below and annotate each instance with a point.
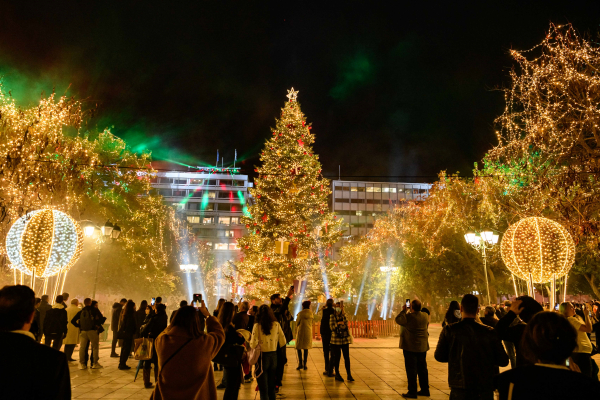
(268, 333)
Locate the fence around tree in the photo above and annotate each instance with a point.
(365, 329)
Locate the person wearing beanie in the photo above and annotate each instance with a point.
(524, 307)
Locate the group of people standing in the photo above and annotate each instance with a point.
(548, 347)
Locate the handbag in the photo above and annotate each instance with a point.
(254, 354)
(230, 356)
(143, 348)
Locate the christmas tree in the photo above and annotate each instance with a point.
(290, 228)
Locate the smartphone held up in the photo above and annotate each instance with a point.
(197, 300)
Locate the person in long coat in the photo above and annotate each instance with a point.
(72, 337)
(304, 323)
(184, 354)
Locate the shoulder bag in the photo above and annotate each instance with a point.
(230, 355)
(143, 348)
(254, 354)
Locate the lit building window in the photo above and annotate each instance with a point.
(235, 220)
(207, 220)
(193, 219)
(224, 220)
(220, 246)
(233, 246)
(212, 195)
(359, 213)
(228, 233)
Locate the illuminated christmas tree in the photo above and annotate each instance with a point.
(290, 228)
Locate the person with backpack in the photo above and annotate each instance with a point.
(88, 320)
(55, 324)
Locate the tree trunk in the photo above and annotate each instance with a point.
(590, 278)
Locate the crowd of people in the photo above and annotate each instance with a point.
(249, 342)
(236, 338)
(544, 348)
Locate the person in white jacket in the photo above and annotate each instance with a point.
(269, 334)
(72, 338)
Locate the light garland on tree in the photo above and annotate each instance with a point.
(93, 175)
(538, 247)
(44, 243)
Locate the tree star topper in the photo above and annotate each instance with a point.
(292, 94)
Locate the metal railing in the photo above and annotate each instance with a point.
(365, 329)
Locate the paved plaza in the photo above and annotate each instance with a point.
(377, 366)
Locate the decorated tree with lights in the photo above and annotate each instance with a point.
(290, 229)
(48, 161)
(548, 156)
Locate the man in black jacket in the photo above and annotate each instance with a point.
(473, 353)
(55, 324)
(88, 320)
(511, 330)
(117, 308)
(325, 331)
(280, 307)
(29, 370)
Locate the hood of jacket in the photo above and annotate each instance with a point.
(59, 306)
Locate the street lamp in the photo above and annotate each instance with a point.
(107, 231)
(483, 241)
(188, 268)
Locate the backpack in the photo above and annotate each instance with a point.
(86, 321)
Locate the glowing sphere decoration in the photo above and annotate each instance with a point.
(538, 246)
(45, 242)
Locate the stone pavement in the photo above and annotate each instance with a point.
(377, 365)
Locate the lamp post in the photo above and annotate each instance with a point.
(105, 232)
(483, 241)
(188, 268)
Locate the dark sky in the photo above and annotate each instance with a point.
(392, 88)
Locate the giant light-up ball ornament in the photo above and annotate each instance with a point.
(538, 246)
(45, 242)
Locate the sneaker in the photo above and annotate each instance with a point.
(114, 355)
(97, 366)
(82, 366)
(124, 367)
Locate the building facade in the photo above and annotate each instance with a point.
(212, 203)
(360, 203)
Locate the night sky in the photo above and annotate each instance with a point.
(392, 88)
